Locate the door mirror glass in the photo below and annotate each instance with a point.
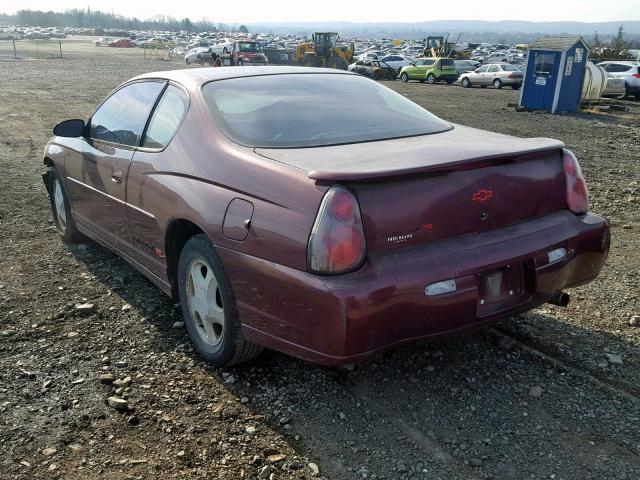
(69, 128)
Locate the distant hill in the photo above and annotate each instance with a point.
(470, 28)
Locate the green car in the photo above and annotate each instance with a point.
(430, 70)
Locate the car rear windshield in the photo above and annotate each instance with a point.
(310, 110)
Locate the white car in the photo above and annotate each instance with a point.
(628, 71)
(370, 56)
(103, 42)
(195, 55)
(224, 46)
(397, 61)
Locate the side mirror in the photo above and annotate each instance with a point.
(70, 128)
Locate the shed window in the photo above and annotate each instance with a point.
(544, 63)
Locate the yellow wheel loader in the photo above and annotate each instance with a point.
(323, 51)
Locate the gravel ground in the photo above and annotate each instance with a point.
(476, 406)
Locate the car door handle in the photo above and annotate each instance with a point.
(116, 176)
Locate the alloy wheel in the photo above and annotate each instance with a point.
(205, 301)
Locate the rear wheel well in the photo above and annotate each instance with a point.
(48, 162)
(178, 234)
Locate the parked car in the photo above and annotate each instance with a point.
(156, 43)
(310, 210)
(122, 43)
(615, 87)
(430, 70)
(373, 69)
(372, 55)
(495, 74)
(629, 71)
(223, 47)
(198, 55)
(464, 66)
(397, 61)
(103, 42)
(497, 57)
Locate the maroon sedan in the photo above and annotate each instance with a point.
(319, 213)
(122, 43)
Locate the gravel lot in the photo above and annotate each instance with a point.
(478, 406)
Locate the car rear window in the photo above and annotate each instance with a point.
(309, 110)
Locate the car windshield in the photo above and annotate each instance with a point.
(309, 110)
(249, 47)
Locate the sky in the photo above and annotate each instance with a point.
(270, 11)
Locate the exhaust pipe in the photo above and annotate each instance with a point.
(561, 299)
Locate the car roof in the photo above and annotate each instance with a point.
(199, 76)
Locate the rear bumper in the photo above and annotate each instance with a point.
(347, 318)
(511, 81)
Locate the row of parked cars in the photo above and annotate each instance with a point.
(623, 77)
(438, 69)
(31, 33)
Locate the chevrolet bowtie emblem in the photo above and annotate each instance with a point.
(482, 195)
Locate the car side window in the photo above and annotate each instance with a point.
(429, 62)
(482, 69)
(166, 118)
(419, 63)
(122, 117)
(493, 69)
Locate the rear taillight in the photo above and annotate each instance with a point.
(336, 244)
(514, 75)
(636, 75)
(577, 193)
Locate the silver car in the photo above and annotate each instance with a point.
(629, 71)
(495, 74)
(615, 87)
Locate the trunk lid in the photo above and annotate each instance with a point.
(429, 188)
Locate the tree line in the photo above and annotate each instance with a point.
(88, 18)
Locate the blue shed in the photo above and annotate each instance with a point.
(555, 73)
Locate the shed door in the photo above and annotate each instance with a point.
(542, 80)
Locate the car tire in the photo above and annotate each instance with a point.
(404, 77)
(188, 61)
(515, 87)
(431, 79)
(209, 306)
(497, 84)
(240, 62)
(465, 82)
(62, 217)
(449, 82)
